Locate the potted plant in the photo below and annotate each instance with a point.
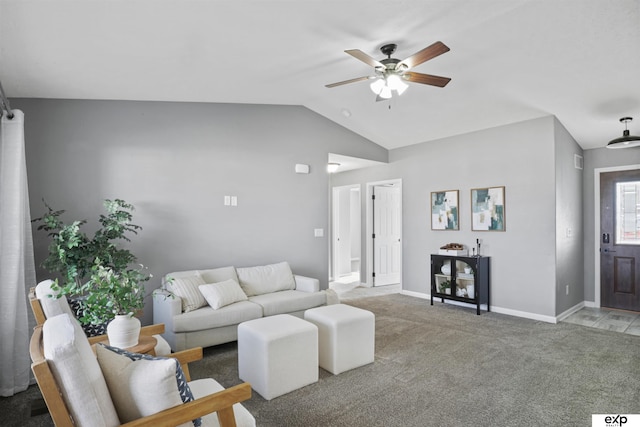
(445, 287)
(96, 269)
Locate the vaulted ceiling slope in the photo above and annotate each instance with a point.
(509, 61)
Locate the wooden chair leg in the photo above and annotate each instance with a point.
(226, 417)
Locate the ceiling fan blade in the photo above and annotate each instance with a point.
(357, 79)
(427, 79)
(430, 52)
(358, 54)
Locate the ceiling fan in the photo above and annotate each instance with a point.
(390, 73)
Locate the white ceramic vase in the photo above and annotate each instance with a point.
(446, 269)
(123, 331)
(471, 291)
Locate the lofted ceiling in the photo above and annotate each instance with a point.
(510, 60)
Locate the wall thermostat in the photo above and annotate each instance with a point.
(302, 168)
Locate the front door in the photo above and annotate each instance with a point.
(620, 240)
(386, 235)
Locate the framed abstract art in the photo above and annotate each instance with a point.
(444, 210)
(488, 209)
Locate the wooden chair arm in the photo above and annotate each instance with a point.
(188, 356)
(36, 307)
(156, 329)
(184, 357)
(221, 402)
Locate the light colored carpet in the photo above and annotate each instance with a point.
(443, 365)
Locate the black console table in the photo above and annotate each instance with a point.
(460, 278)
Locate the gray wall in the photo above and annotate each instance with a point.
(175, 162)
(595, 159)
(519, 156)
(569, 218)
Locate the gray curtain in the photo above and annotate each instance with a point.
(17, 270)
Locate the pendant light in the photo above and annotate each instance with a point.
(626, 140)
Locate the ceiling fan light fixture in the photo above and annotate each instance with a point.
(385, 93)
(394, 81)
(377, 85)
(626, 140)
(401, 87)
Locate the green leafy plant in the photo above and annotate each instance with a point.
(444, 285)
(96, 268)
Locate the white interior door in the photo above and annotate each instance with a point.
(386, 235)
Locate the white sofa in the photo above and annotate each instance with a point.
(242, 294)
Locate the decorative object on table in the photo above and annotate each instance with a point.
(95, 269)
(446, 268)
(445, 287)
(478, 246)
(471, 291)
(488, 209)
(444, 210)
(455, 249)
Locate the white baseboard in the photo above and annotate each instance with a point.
(524, 314)
(454, 302)
(570, 311)
(508, 311)
(415, 294)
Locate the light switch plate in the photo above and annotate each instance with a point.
(318, 232)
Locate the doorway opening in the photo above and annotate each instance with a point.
(384, 233)
(346, 234)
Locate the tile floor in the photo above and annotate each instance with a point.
(605, 318)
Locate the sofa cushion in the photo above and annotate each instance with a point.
(288, 301)
(208, 318)
(222, 293)
(143, 385)
(215, 275)
(266, 279)
(186, 288)
(77, 372)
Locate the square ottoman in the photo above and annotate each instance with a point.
(277, 354)
(346, 336)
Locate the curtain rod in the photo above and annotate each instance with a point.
(5, 103)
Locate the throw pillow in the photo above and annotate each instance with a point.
(187, 289)
(223, 293)
(142, 385)
(266, 279)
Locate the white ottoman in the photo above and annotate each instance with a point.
(346, 336)
(277, 354)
